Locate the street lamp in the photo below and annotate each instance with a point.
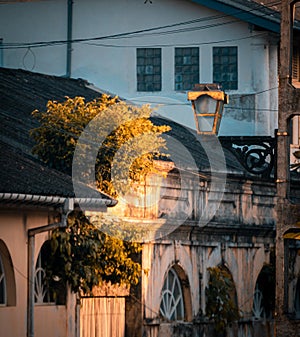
(207, 102)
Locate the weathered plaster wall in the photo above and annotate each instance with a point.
(244, 262)
(240, 235)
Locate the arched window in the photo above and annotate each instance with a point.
(258, 308)
(7, 278)
(2, 284)
(264, 294)
(172, 301)
(47, 291)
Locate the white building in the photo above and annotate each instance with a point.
(154, 51)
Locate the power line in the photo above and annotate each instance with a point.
(163, 104)
(252, 109)
(175, 45)
(260, 92)
(188, 104)
(136, 33)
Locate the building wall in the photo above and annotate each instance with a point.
(196, 248)
(194, 258)
(240, 236)
(13, 319)
(110, 63)
(35, 22)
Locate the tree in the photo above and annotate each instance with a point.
(220, 301)
(63, 123)
(82, 254)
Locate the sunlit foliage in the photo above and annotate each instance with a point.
(82, 255)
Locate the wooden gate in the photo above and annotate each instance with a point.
(102, 317)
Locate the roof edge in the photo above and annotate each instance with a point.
(55, 200)
(250, 16)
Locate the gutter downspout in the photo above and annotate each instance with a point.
(68, 207)
(41, 199)
(69, 38)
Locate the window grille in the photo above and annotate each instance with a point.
(186, 68)
(172, 303)
(41, 289)
(258, 308)
(225, 67)
(148, 69)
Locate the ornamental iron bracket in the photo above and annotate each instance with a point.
(255, 153)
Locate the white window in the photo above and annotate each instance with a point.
(172, 302)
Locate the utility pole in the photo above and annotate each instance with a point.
(287, 213)
(69, 38)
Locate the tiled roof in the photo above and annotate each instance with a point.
(20, 93)
(21, 173)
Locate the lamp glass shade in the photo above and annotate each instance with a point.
(205, 105)
(205, 124)
(208, 113)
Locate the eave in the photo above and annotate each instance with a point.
(243, 13)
